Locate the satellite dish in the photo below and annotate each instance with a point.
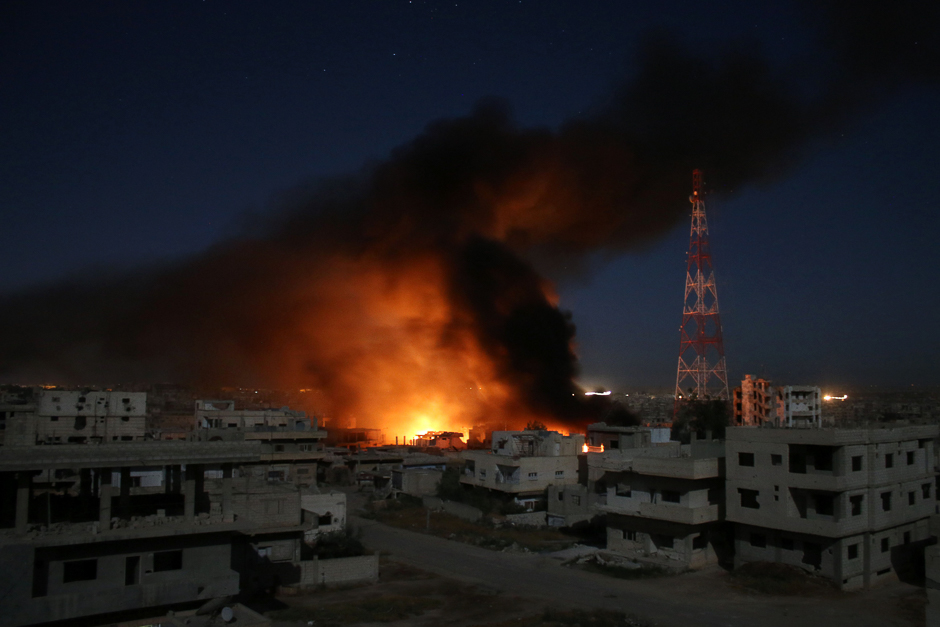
(227, 614)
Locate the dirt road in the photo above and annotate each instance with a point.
(703, 598)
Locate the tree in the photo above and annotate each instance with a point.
(535, 425)
(700, 416)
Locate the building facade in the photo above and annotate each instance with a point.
(849, 504)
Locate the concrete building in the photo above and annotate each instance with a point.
(291, 444)
(757, 403)
(326, 510)
(95, 550)
(76, 417)
(663, 502)
(850, 504)
(416, 481)
(524, 464)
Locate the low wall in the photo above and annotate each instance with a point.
(340, 570)
(532, 519)
(462, 511)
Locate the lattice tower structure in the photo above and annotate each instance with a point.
(702, 373)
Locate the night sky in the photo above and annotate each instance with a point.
(139, 133)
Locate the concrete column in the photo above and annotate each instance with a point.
(24, 481)
(126, 492)
(200, 471)
(189, 493)
(227, 514)
(104, 499)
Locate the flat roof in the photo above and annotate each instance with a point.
(117, 455)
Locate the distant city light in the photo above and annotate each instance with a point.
(828, 397)
(607, 393)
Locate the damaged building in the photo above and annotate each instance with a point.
(663, 502)
(851, 505)
(524, 464)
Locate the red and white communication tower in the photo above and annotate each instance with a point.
(702, 373)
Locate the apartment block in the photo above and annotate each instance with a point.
(76, 417)
(663, 503)
(850, 504)
(524, 463)
(291, 444)
(756, 403)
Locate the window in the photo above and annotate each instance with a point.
(559, 474)
(824, 504)
(745, 459)
(325, 520)
(125, 418)
(853, 551)
(856, 463)
(629, 535)
(889, 460)
(79, 570)
(80, 423)
(885, 545)
(533, 476)
(561, 496)
(53, 419)
(306, 448)
(278, 448)
(167, 560)
(576, 499)
(907, 537)
(776, 460)
(624, 490)
(926, 490)
(670, 496)
(132, 570)
(855, 502)
(910, 458)
(759, 540)
(615, 444)
(483, 473)
(912, 498)
(886, 501)
(749, 498)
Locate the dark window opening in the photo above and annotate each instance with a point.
(786, 544)
(853, 551)
(749, 498)
(53, 419)
(886, 501)
(910, 458)
(907, 537)
(812, 554)
(167, 560)
(776, 460)
(132, 570)
(662, 541)
(325, 519)
(883, 571)
(797, 463)
(125, 418)
(278, 448)
(80, 423)
(745, 459)
(670, 496)
(822, 457)
(561, 496)
(911, 498)
(926, 490)
(889, 460)
(856, 463)
(856, 504)
(615, 444)
(885, 545)
(700, 542)
(759, 540)
(80, 570)
(824, 505)
(40, 578)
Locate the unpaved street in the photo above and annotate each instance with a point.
(702, 598)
